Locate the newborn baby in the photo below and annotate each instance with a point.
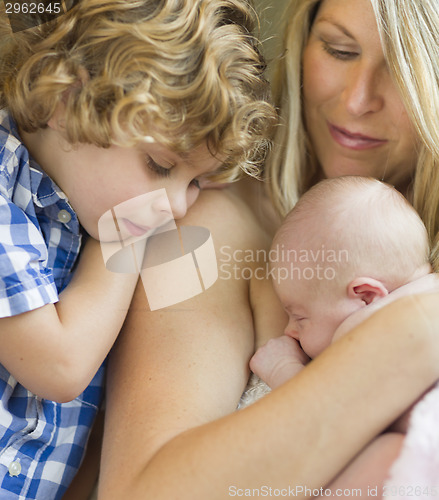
(350, 246)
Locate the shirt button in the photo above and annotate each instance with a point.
(64, 216)
(15, 468)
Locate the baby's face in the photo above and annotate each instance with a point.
(315, 309)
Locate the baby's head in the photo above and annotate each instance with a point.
(183, 73)
(348, 242)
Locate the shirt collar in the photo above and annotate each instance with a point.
(45, 192)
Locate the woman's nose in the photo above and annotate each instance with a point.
(363, 91)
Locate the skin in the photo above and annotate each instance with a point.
(75, 334)
(315, 303)
(97, 179)
(320, 313)
(312, 319)
(176, 386)
(282, 358)
(347, 85)
(177, 374)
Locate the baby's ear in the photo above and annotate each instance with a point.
(366, 289)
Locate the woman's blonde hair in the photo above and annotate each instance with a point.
(182, 71)
(409, 31)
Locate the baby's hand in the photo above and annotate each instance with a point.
(278, 360)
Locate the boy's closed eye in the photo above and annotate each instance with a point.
(158, 169)
(162, 171)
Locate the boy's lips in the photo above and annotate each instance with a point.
(134, 229)
(353, 140)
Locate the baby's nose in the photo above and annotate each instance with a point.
(292, 332)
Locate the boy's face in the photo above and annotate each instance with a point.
(96, 180)
(315, 308)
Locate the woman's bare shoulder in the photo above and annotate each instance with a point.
(227, 217)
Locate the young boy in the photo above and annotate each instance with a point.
(108, 102)
(350, 246)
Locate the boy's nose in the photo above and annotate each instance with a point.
(174, 204)
(178, 205)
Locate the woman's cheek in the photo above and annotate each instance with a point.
(321, 77)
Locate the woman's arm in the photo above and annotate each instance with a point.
(177, 372)
(185, 365)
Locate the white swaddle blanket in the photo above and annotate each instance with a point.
(415, 473)
(255, 390)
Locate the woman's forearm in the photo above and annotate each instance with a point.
(306, 431)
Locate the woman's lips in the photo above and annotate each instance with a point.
(353, 141)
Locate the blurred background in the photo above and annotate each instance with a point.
(271, 14)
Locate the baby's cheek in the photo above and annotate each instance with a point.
(316, 341)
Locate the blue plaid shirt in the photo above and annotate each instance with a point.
(41, 442)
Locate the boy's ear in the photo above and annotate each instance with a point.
(366, 289)
(57, 120)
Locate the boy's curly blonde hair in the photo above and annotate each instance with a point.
(182, 71)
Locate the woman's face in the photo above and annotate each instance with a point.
(354, 114)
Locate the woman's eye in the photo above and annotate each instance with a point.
(156, 168)
(196, 183)
(343, 55)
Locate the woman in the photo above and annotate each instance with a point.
(176, 373)
(344, 95)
